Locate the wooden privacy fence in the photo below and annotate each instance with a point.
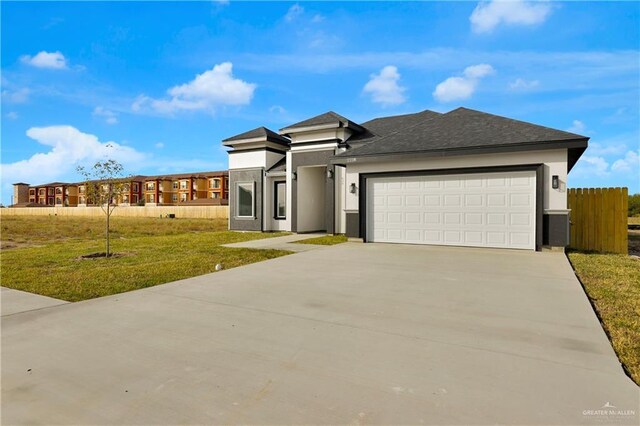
(599, 219)
(193, 212)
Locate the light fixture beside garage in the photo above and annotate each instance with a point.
(329, 174)
(555, 182)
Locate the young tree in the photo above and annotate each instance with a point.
(104, 184)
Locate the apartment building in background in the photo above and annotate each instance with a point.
(200, 188)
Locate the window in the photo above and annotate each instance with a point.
(216, 183)
(151, 198)
(58, 200)
(175, 185)
(244, 203)
(280, 200)
(135, 187)
(183, 197)
(183, 184)
(174, 198)
(151, 186)
(214, 194)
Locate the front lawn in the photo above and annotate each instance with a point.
(46, 258)
(612, 283)
(327, 240)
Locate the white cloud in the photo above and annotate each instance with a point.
(16, 96)
(384, 88)
(520, 84)
(159, 145)
(213, 88)
(577, 127)
(293, 12)
(12, 115)
(602, 149)
(458, 88)
(277, 109)
(110, 117)
(629, 164)
(591, 166)
(488, 15)
(51, 60)
(317, 18)
(69, 148)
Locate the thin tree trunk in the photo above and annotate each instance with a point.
(108, 215)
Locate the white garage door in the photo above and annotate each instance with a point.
(480, 210)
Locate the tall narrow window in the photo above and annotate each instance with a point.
(244, 192)
(280, 200)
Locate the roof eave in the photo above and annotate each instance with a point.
(574, 144)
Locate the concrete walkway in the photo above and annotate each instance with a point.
(16, 301)
(351, 334)
(286, 242)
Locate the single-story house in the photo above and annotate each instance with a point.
(461, 178)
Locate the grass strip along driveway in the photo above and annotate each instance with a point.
(46, 254)
(612, 282)
(327, 240)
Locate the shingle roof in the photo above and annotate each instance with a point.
(259, 132)
(384, 126)
(329, 117)
(459, 129)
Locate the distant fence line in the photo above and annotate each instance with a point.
(193, 212)
(599, 219)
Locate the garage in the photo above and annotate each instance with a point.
(472, 209)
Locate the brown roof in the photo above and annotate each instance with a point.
(188, 175)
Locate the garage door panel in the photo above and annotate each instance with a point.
(394, 218)
(413, 200)
(473, 218)
(486, 210)
(433, 237)
(452, 200)
(496, 200)
(474, 200)
(432, 200)
(432, 218)
(474, 237)
(412, 218)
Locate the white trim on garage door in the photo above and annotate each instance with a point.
(479, 210)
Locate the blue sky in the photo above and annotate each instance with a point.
(163, 83)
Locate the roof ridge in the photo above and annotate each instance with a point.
(404, 128)
(493, 126)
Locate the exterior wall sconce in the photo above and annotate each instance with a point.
(555, 182)
(352, 188)
(294, 175)
(329, 174)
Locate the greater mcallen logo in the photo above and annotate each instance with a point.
(609, 410)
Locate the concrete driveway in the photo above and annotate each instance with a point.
(356, 333)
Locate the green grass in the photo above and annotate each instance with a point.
(47, 261)
(327, 240)
(612, 283)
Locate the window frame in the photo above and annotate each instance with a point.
(253, 200)
(275, 199)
